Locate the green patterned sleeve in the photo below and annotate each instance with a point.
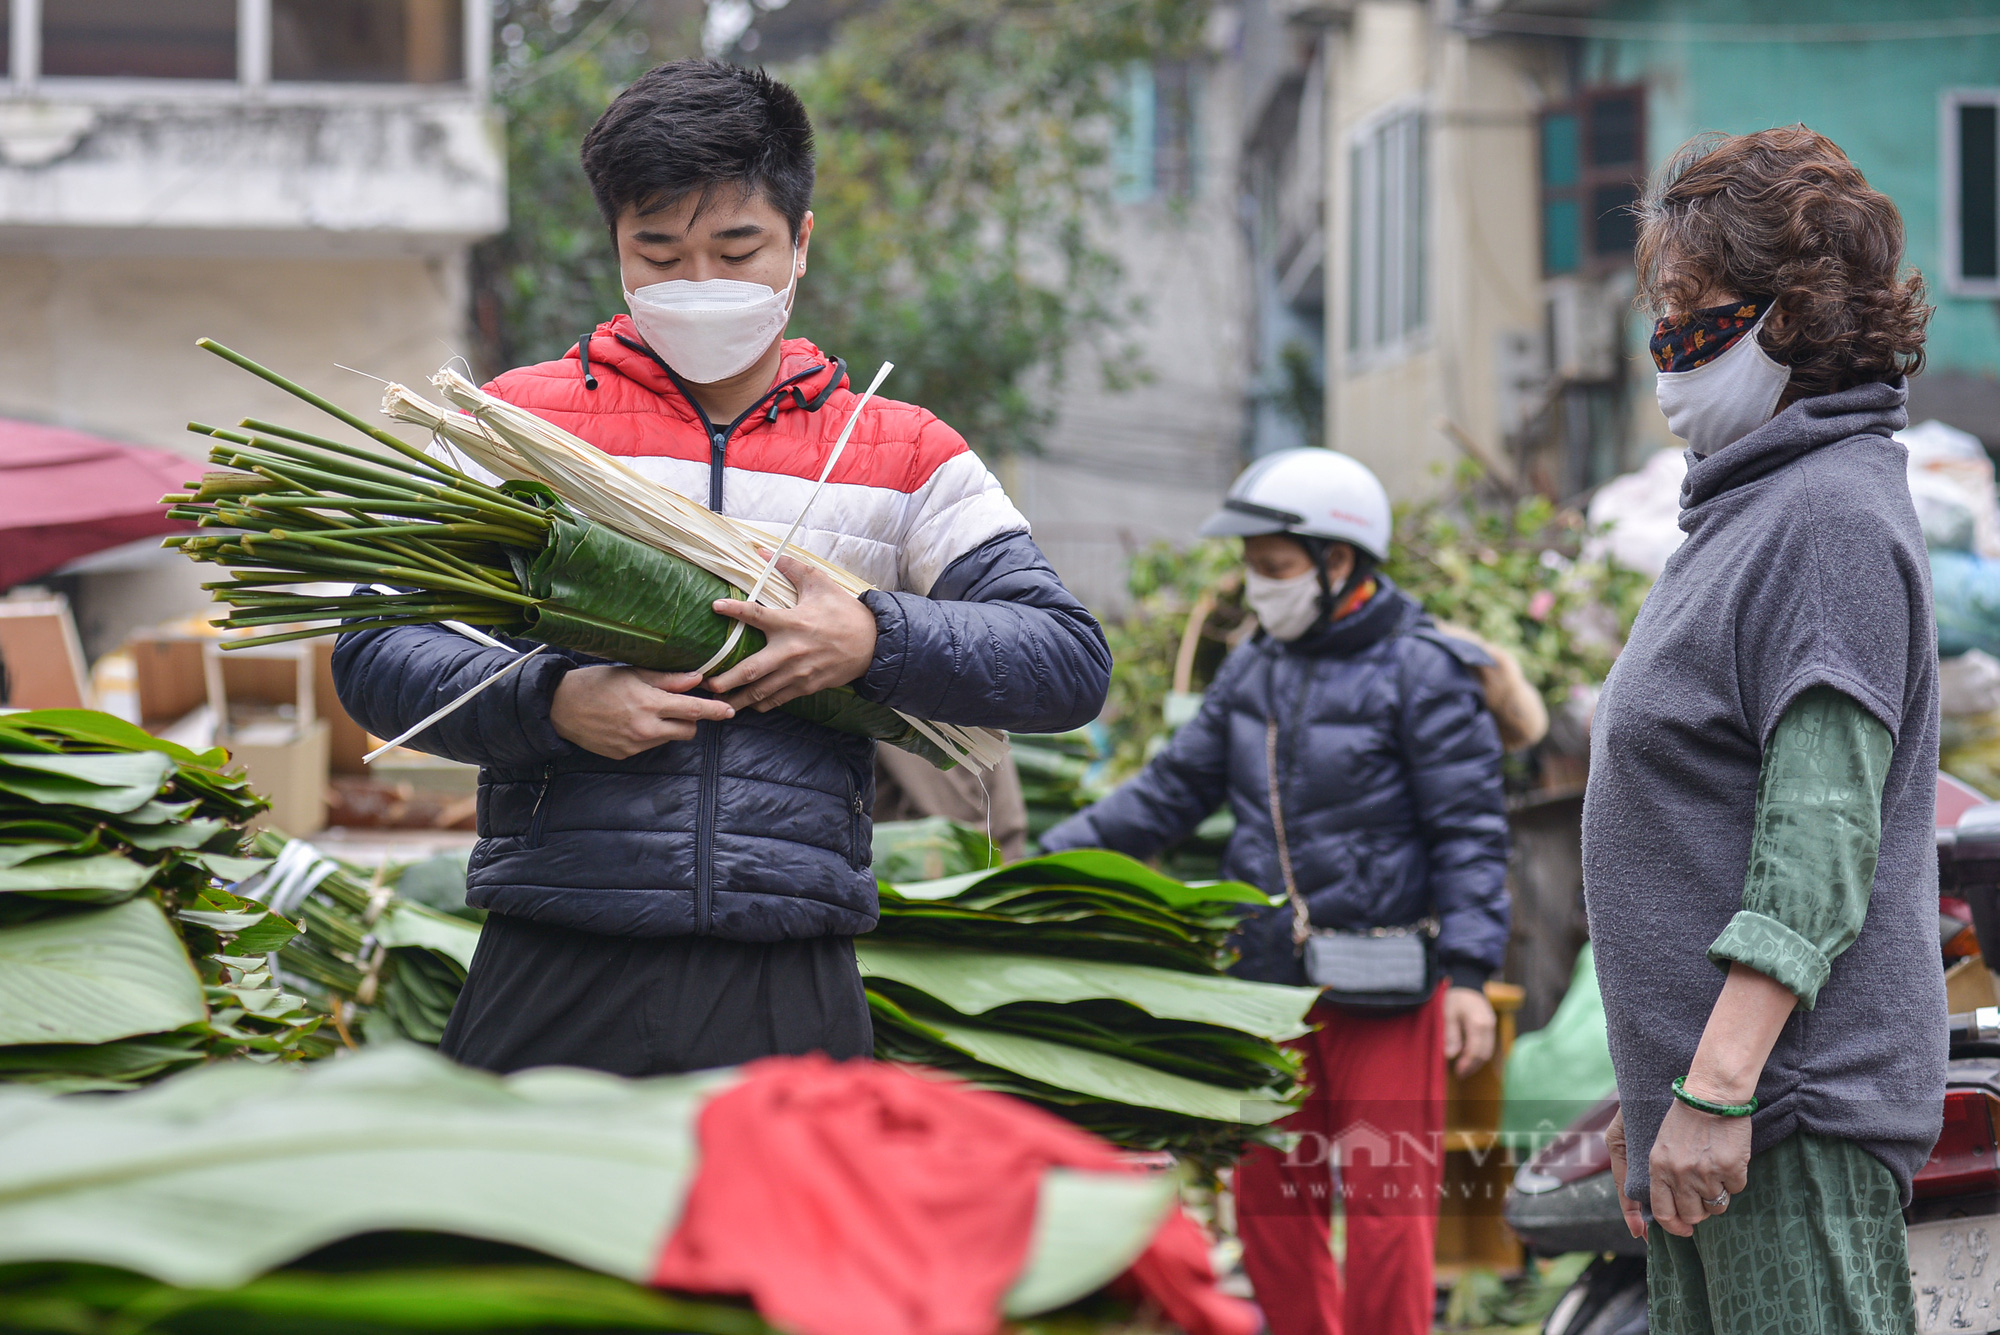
(1812, 853)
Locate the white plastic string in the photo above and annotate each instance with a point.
(433, 717)
(839, 448)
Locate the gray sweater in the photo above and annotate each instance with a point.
(1803, 566)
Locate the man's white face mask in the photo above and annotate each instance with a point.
(1286, 608)
(715, 328)
(1721, 401)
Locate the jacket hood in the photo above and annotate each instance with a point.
(1389, 612)
(617, 346)
(1876, 409)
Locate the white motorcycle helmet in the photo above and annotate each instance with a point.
(1308, 493)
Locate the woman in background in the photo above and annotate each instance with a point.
(1758, 845)
(1352, 742)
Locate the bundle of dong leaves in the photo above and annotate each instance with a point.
(124, 957)
(422, 542)
(1089, 984)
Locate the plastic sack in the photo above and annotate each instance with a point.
(1965, 592)
(1951, 481)
(1640, 515)
(602, 593)
(1968, 684)
(1559, 1070)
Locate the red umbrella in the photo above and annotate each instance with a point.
(64, 495)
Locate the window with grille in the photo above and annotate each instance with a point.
(1971, 162)
(247, 42)
(1593, 162)
(367, 41)
(1386, 247)
(1155, 152)
(139, 39)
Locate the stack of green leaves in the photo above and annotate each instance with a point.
(207, 1205)
(1085, 904)
(114, 849)
(124, 953)
(1093, 986)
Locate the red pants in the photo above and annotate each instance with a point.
(1373, 1130)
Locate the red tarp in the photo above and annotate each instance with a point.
(64, 495)
(854, 1198)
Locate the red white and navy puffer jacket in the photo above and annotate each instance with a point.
(757, 829)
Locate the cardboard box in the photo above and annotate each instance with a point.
(167, 673)
(289, 767)
(266, 714)
(349, 739)
(45, 667)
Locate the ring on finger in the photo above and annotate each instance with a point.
(1718, 1203)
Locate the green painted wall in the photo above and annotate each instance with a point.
(1877, 99)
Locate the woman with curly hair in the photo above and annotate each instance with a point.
(1758, 851)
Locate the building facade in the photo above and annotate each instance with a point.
(300, 179)
(1481, 157)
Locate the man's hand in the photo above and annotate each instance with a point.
(617, 712)
(1698, 1159)
(1468, 1029)
(827, 640)
(1614, 1141)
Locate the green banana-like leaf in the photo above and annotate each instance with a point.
(1095, 1074)
(95, 728)
(95, 976)
(1194, 1140)
(185, 834)
(72, 1068)
(1093, 867)
(118, 784)
(973, 982)
(588, 1168)
(103, 879)
(472, 1298)
(921, 850)
(408, 924)
(253, 930)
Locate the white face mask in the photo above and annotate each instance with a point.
(712, 329)
(1720, 403)
(1286, 608)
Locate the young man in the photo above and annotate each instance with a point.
(674, 873)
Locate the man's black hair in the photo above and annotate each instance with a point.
(692, 125)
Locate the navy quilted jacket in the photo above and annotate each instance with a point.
(1389, 767)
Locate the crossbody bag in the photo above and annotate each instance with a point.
(1381, 970)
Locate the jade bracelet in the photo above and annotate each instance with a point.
(1700, 1104)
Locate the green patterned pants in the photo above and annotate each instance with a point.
(1813, 1246)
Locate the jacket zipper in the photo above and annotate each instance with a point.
(708, 797)
(706, 802)
(538, 818)
(854, 858)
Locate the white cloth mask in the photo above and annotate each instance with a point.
(1722, 401)
(712, 329)
(1286, 608)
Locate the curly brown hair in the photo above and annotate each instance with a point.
(1783, 215)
